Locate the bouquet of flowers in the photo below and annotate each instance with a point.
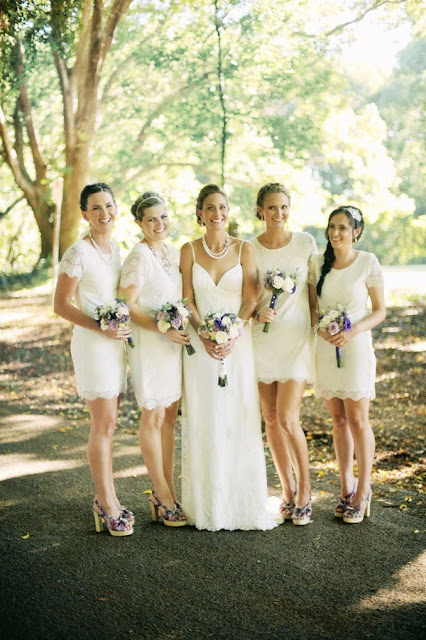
(219, 328)
(334, 320)
(114, 316)
(277, 281)
(174, 315)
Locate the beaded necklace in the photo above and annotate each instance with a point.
(105, 257)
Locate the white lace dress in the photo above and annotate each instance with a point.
(356, 379)
(99, 361)
(155, 362)
(286, 351)
(223, 465)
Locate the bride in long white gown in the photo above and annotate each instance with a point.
(223, 465)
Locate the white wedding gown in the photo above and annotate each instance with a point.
(223, 465)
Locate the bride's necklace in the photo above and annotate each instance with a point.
(163, 258)
(105, 257)
(220, 254)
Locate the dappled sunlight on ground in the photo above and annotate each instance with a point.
(404, 590)
(19, 465)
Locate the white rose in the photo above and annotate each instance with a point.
(226, 320)
(333, 314)
(277, 282)
(233, 332)
(288, 284)
(221, 337)
(163, 326)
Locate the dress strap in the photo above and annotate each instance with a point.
(241, 246)
(193, 252)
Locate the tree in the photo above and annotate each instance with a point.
(79, 36)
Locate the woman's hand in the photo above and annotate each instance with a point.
(123, 333)
(342, 338)
(339, 339)
(217, 351)
(266, 315)
(177, 336)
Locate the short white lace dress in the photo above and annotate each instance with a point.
(349, 286)
(286, 351)
(99, 362)
(155, 362)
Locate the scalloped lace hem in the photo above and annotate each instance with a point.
(344, 394)
(87, 394)
(153, 403)
(283, 380)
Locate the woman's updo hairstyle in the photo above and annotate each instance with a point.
(90, 189)
(145, 201)
(356, 220)
(204, 193)
(270, 187)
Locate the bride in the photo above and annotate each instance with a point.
(223, 466)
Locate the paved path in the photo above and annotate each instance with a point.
(326, 580)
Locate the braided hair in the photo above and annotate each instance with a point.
(356, 220)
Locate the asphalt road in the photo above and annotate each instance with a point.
(326, 580)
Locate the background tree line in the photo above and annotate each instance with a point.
(171, 94)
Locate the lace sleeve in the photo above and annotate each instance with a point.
(133, 271)
(375, 274)
(312, 278)
(72, 263)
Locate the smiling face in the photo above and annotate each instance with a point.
(101, 212)
(340, 232)
(215, 211)
(275, 210)
(154, 223)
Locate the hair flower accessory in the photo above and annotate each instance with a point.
(356, 215)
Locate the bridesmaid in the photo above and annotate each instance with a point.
(89, 274)
(349, 277)
(150, 278)
(284, 361)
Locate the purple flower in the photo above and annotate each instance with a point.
(176, 322)
(347, 324)
(113, 325)
(333, 328)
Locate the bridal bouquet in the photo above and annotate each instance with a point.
(174, 315)
(334, 320)
(114, 316)
(219, 328)
(278, 282)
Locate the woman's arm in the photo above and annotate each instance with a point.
(186, 262)
(313, 304)
(377, 315)
(62, 306)
(249, 282)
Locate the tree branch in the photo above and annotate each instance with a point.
(67, 99)
(39, 164)
(10, 207)
(19, 139)
(11, 158)
(376, 5)
(117, 12)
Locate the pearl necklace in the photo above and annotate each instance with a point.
(222, 253)
(105, 257)
(164, 259)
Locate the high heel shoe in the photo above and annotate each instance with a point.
(127, 514)
(343, 504)
(302, 515)
(356, 513)
(160, 513)
(116, 526)
(287, 508)
(179, 510)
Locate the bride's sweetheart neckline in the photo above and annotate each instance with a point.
(216, 284)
